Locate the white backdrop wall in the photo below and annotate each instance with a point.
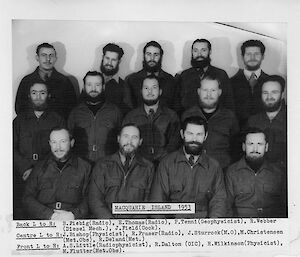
(79, 45)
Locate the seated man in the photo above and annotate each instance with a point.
(94, 122)
(63, 96)
(159, 125)
(256, 188)
(121, 177)
(223, 126)
(57, 187)
(190, 175)
(31, 130)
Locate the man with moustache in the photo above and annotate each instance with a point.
(63, 96)
(223, 126)
(189, 175)
(124, 177)
(94, 121)
(57, 187)
(114, 87)
(31, 131)
(256, 188)
(188, 80)
(159, 125)
(247, 82)
(273, 119)
(153, 54)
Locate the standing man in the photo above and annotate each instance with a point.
(153, 54)
(247, 82)
(114, 87)
(188, 80)
(63, 96)
(57, 187)
(223, 126)
(159, 125)
(31, 130)
(255, 187)
(94, 121)
(123, 177)
(273, 119)
(190, 175)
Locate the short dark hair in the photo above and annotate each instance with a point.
(150, 76)
(254, 130)
(58, 128)
(94, 73)
(129, 124)
(38, 81)
(211, 77)
(202, 40)
(111, 47)
(253, 42)
(45, 45)
(154, 44)
(196, 120)
(276, 78)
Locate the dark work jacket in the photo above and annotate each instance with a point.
(261, 194)
(95, 136)
(203, 184)
(222, 139)
(118, 94)
(160, 135)
(166, 83)
(276, 130)
(189, 80)
(109, 184)
(47, 185)
(246, 103)
(63, 96)
(31, 136)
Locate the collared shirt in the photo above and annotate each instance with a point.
(248, 73)
(47, 185)
(45, 75)
(154, 108)
(110, 184)
(196, 157)
(256, 194)
(108, 78)
(203, 184)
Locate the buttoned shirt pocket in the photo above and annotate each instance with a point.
(176, 192)
(73, 192)
(203, 197)
(46, 191)
(271, 188)
(137, 191)
(243, 191)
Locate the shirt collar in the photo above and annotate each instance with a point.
(242, 164)
(109, 78)
(202, 159)
(147, 108)
(43, 74)
(248, 73)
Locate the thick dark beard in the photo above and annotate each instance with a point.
(88, 99)
(39, 108)
(150, 102)
(252, 68)
(200, 64)
(193, 150)
(255, 162)
(127, 154)
(155, 68)
(109, 72)
(274, 107)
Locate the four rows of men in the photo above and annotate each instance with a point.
(141, 162)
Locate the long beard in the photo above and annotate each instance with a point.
(150, 102)
(152, 69)
(194, 150)
(255, 162)
(88, 99)
(40, 108)
(200, 64)
(109, 72)
(273, 107)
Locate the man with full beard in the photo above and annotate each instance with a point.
(153, 54)
(189, 175)
(187, 82)
(94, 121)
(247, 82)
(159, 125)
(31, 130)
(124, 177)
(273, 119)
(223, 127)
(256, 188)
(114, 87)
(57, 187)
